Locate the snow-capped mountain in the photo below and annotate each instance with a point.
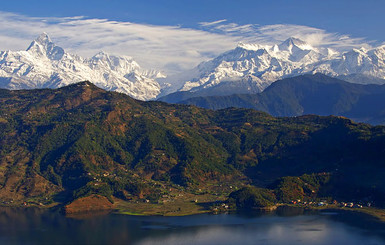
(266, 64)
(45, 65)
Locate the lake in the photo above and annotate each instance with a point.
(285, 226)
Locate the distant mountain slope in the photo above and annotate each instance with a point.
(224, 88)
(309, 94)
(264, 64)
(45, 65)
(80, 140)
(362, 79)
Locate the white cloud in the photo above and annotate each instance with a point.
(157, 47)
(212, 23)
(313, 36)
(167, 48)
(272, 34)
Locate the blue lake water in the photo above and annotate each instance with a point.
(286, 226)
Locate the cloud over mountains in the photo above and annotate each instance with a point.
(168, 48)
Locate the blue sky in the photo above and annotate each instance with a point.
(182, 31)
(361, 18)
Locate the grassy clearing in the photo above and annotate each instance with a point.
(181, 205)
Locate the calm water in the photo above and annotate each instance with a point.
(289, 226)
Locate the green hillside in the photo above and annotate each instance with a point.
(59, 145)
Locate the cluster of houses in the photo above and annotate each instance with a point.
(98, 177)
(325, 203)
(300, 202)
(7, 202)
(29, 203)
(33, 204)
(220, 207)
(352, 205)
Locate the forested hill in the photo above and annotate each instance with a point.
(80, 139)
(307, 94)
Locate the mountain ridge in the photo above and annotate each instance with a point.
(265, 64)
(45, 64)
(307, 94)
(59, 145)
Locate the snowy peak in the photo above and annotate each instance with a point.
(292, 42)
(43, 39)
(116, 63)
(44, 65)
(296, 50)
(266, 64)
(248, 46)
(43, 46)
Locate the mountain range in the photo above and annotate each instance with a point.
(262, 65)
(80, 140)
(249, 68)
(306, 94)
(45, 65)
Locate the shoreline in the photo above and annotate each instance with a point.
(377, 213)
(191, 208)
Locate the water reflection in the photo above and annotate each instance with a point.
(286, 226)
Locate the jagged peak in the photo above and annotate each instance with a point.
(43, 39)
(43, 46)
(291, 42)
(294, 41)
(249, 46)
(286, 45)
(102, 55)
